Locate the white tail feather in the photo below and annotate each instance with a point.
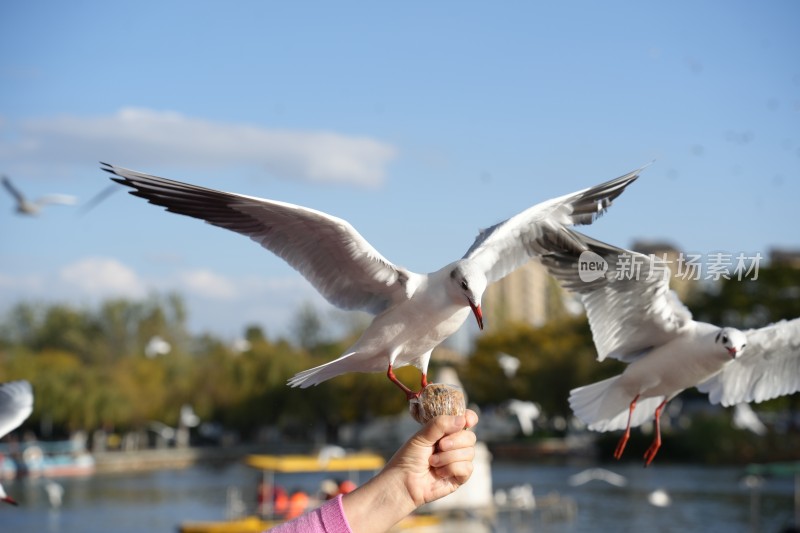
(603, 406)
(349, 362)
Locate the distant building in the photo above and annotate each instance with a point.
(784, 257)
(668, 252)
(529, 295)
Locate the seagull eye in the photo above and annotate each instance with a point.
(464, 285)
(725, 339)
(743, 345)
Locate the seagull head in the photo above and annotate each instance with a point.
(467, 282)
(732, 340)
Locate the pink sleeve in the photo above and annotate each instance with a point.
(328, 518)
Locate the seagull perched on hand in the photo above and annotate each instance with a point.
(414, 312)
(32, 208)
(16, 404)
(635, 318)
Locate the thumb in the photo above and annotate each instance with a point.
(438, 427)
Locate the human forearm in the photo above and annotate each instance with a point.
(431, 465)
(379, 504)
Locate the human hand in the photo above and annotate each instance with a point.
(430, 465)
(437, 459)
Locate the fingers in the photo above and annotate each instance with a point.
(456, 455)
(472, 418)
(455, 464)
(461, 439)
(440, 426)
(455, 452)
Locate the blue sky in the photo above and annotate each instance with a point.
(419, 122)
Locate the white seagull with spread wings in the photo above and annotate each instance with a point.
(16, 404)
(414, 312)
(33, 207)
(635, 318)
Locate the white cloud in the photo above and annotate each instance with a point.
(102, 277)
(215, 302)
(209, 285)
(151, 138)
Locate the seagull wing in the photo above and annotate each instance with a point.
(506, 246)
(16, 404)
(18, 196)
(769, 367)
(57, 199)
(327, 250)
(630, 308)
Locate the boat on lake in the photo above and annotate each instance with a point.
(45, 458)
(276, 472)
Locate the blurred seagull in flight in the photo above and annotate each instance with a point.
(526, 412)
(508, 363)
(638, 320)
(745, 418)
(16, 404)
(597, 474)
(33, 208)
(55, 493)
(414, 312)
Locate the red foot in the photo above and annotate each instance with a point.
(621, 444)
(409, 393)
(624, 440)
(651, 452)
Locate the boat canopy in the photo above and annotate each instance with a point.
(311, 463)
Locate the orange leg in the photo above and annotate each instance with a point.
(424, 380)
(409, 393)
(624, 439)
(650, 454)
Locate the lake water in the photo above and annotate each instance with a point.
(702, 499)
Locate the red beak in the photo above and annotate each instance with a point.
(10, 500)
(732, 352)
(476, 310)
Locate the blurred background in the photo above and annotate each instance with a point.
(419, 124)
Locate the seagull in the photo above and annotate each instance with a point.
(16, 404)
(659, 498)
(526, 413)
(599, 474)
(635, 318)
(55, 493)
(188, 418)
(32, 208)
(414, 312)
(508, 363)
(745, 418)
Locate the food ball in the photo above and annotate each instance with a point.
(437, 399)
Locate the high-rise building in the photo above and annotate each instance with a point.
(529, 295)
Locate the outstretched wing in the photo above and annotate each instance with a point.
(57, 199)
(326, 250)
(768, 368)
(629, 305)
(506, 246)
(12, 190)
(16, 404)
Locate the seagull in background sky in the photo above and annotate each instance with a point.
(414, 312)
(33, 208)
(16, 404)
(638, 320)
